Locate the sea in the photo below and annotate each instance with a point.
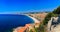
(10, 21)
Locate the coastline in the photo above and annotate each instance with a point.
(35, 20)
(30, 26)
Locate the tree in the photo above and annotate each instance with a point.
(57, 11)
(47, 18)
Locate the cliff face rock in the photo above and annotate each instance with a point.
(54, 24)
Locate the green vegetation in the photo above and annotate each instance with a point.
(48, 17)
(31, 31)
(41, 28)
(36, 29)
(55, 13)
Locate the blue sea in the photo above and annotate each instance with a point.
(10, 21)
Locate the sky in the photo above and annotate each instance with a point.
(28, 5)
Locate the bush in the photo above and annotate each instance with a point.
(48, 17)
(57, 11)
(31, 31)
(41, 28)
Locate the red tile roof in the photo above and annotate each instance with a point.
(23, 28)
